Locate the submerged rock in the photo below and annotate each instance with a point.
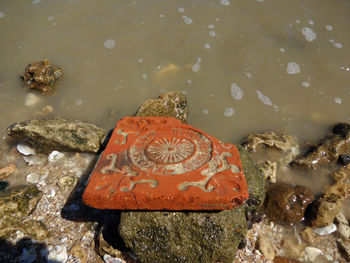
(182, 236)
(287, 203)
(41, 75)
(59, 134)
(328, 151)
(171, 104)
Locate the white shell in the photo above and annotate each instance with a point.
(25, 149)
(325, 230)
(312, 253)
(58, 254)
(55, 156)
(32, 178)
(109, 259)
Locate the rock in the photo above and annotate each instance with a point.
(344, 247)
(269, 170)
(344, 159)
(326, 230)
(183, 236)
(310, 236)
(59, 134)
(328, 151)
(312, 253)
(282, 142)
(106, 249)
(15, 205)
(58, 254)
(284, 260)
(255, 181)
(342, 174)
(287, 203)
(41, 75)
(7, 170)
(265, 247)
(343, 225)
(171, 104)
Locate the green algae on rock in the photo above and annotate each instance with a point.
(183, 236)
(171, 104)
(59, 134)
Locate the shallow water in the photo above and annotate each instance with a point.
(245, 66)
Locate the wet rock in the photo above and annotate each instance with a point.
(182, 236)
(344, 247)
(344, 159)
(171, 104)
(265, 247)
(323, 211)
(106, 249)
(312, 253)
(310, 237)
(67, 183)
(343, 225)
(328, 151)
(255, 181)
(58, 254)
(15, 205)
(7, 170)
(342, 174)
(59, 134)
(269, 170)
(281, 142)
(41, 75)
(287, 203)
(284, 260)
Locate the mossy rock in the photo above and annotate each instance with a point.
(184, 236)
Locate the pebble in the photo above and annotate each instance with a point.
(109, 259)
(265, 248)
(109, 43)
(293, 68)
(58, 254)
(7, 170)
(31, 99)
(32, 178)
(325, 230)
(236, 91)
(312, 253)
(343, 225)
(55, 156)
(344, 159)
(25, 149)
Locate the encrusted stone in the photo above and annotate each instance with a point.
(157, 163)
(171, 104)
(41, 75)
(59, 134)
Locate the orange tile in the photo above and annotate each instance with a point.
(160, 163)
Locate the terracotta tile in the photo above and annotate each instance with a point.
(160, 163)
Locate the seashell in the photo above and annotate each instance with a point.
(25, 149)
(58, 254)
(326, 230)
(55, 156)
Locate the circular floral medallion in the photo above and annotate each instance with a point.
(170, 151)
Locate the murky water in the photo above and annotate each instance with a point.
(245, 66)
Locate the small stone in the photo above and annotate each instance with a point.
(202, 173)
(343, 225)
(109, 259)
(284, 260)
(55, 156)
(67, 183)
(7, 170)
(309, 236)
(32, 178)
(266, 248)
(31, 100)
(344, 247)
(312, 253)
(58, 254)
(106, 249)
(41, 75)
(287, 203)
(344, 159)
(25, 149)
(269, 170)
(171, 104)
(325, 230)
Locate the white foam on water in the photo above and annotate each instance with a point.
(187, 20)
(282, 49)
(305, 84)
(229, 112)
(2, 14)
(79, 102)
(337, 100)
(329, 27)
(249, 75)
(293, 68)
(140, 60)
(212, 33)
(205, 111)
(338, 45)
(211, 26)
(144, 76)
(109, 43)
(207, 46)
(196, 66)
(331, 40)
(311, 22)
(264, 99)
(181, 9)
(236, 91)
(50, 18)
(225, 2)
(189, 81)
(36, 2)
(308, 33)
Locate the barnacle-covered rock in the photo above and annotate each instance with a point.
(41, 75)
